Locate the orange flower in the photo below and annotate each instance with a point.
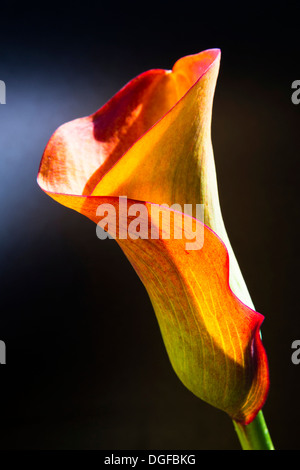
(151, 143)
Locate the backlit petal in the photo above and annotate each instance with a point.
(151, 143)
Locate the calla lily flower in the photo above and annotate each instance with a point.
(151, 142)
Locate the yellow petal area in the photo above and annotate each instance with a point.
(151, 142)
(173, 162)
(164, 165)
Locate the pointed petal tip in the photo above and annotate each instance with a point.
(212, 55)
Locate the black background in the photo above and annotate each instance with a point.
(86, 366)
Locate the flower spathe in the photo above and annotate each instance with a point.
(151, 143)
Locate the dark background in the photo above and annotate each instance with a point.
(86, 366)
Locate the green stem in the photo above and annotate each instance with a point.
(254, 436)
